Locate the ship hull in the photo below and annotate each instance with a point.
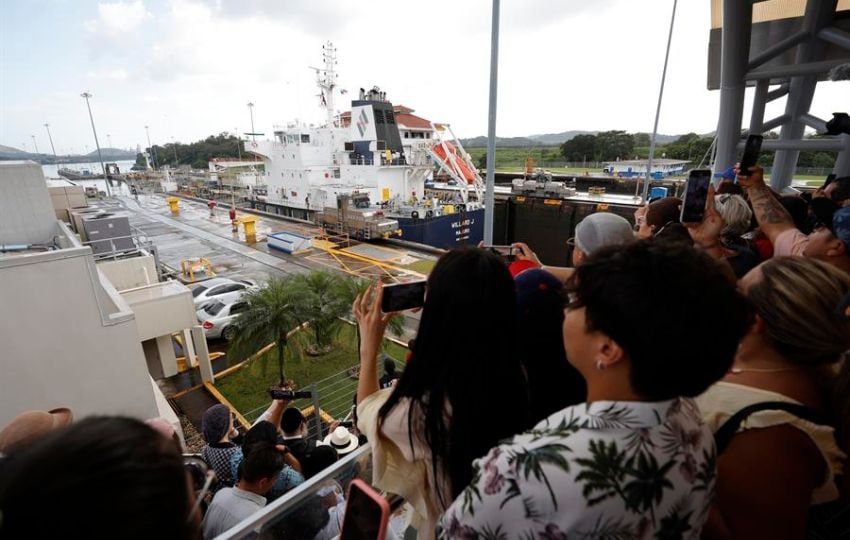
(445, 232)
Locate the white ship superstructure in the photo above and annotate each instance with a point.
(365, 150)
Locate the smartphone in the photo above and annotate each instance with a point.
(401, 296)
(508, 253)
(696, 191)
(752, 148)
(366, 513)
(830, 177)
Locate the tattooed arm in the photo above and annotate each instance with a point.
(772, 217)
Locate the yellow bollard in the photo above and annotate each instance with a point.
(174, 204)
(249, 222)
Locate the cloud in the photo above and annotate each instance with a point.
(542, 13)
(115, 19)
(326, 16)
(118, 74)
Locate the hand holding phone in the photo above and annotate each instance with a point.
(696, 192)
(508, 253)
(750, 157)
(401, 296)
(366, 513)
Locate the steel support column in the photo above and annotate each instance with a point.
(734, 59)
(801, 92)
(842, 163)
(759, 102)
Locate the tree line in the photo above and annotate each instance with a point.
(613, 145)
(196, 154)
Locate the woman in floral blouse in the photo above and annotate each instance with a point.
(636, 460)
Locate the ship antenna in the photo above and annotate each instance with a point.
(326, 80)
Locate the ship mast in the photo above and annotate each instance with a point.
(326, 80)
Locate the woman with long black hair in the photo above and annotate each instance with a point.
(461, 392)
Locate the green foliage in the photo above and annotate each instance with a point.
(580, 148)
(273, 311)
(246, 387)
(604, 146)
(325, 300)
(689, 147)
(140, 161)
(197, 154)
(642, 139)
(482, 161)
(614, 144)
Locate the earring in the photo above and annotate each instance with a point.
(599, 365)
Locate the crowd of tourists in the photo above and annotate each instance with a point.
(676, 380)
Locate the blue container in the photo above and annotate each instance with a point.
(658, 193)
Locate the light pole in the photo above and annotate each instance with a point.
(489, 202)
(657, 111)
(47, 126)
(238, 143)
(86, 96)
(34, 143)
(109, 140)
(150, 147)
(251, 110)
(174, 147)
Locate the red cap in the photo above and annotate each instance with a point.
(521, 265)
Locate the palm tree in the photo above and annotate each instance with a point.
(273, 312)
(325, 301)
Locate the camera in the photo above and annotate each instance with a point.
(277, 393)
(839, 124)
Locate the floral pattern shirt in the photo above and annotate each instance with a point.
(600, 470)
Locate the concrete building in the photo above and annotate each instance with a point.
(637, 167)
(69, 337)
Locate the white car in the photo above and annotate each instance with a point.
(217, 318)
(221, 289)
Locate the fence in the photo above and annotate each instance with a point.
(332, 398)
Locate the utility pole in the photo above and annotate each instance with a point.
(47, 126)
(109, 140)
(251, 110)
(174, 147)
(657, 110)
(86, 96)
(238, 143)
(150, 146)
(34, 143)
(489, 202)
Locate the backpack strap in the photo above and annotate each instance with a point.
(723, 436)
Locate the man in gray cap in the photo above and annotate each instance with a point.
(593, 232)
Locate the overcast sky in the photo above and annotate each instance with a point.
(187, 68)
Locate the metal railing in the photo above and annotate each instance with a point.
(333, 396)
(274, 515)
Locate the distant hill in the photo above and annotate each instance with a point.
(554, 139)
(545, 139)
(10, 150)
(109, 154)
(480, 142)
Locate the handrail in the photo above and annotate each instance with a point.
(292, 498)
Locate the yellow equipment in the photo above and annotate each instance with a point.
(249, 222)
(174, 204)
(190, 267)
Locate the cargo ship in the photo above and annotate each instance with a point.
(363, 172)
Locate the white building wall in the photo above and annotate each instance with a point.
(130, 273)
(68, 339)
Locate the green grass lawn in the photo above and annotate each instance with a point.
(247, 388)
(423, 266)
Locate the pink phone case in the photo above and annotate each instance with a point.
(379, 501)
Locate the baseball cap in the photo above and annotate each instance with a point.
(600, 230)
